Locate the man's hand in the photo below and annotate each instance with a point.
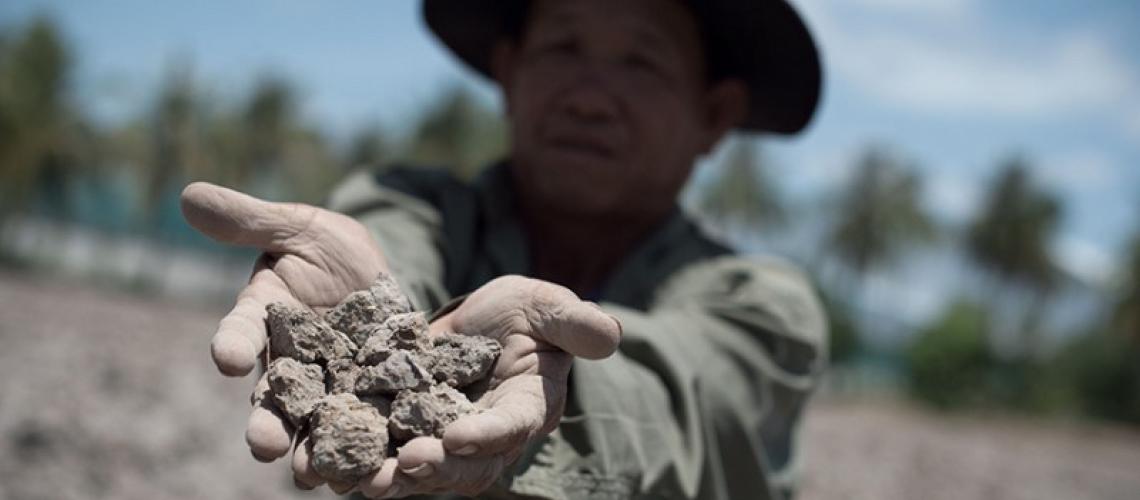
(312, 258)
(541, 327)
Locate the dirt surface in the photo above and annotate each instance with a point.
(883, 450)
(105, 395)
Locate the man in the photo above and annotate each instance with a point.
(688, 376)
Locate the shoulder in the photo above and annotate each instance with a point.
(757, 289)
(414, 187)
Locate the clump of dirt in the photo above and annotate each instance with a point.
(367, 377)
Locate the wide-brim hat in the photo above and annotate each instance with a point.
(762, 42)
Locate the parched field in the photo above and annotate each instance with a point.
(106, 395)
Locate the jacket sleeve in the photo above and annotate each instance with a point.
(703, 398)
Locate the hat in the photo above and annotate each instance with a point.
(762, 42)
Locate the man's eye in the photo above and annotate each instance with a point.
(641, 63)
(560, 47)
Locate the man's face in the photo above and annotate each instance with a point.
(608, 105)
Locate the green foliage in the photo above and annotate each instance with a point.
(1099, 373)
(1011, 234)
(950, 362)
(741, 194)
(843, 333)
(879, 214)
(41, 133)
(1126, 314)
(368, 148)
(459, 133)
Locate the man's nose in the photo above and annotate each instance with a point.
(588, 100)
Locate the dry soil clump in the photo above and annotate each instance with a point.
(367, 376)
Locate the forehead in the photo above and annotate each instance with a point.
(656, 22)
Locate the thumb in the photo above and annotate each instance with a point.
(236, 218)
(581, 328)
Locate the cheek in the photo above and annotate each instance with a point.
(667, 128)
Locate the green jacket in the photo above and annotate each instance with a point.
(718, 357)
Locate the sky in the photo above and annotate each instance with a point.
(953, 86)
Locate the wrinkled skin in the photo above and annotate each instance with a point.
(315, 258)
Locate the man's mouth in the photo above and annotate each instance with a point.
(582, 144)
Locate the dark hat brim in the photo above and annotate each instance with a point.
(763, 42)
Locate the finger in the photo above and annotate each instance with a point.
(242, 334)
(576, 326)
(236, 218)
(383, 483)
(303, 472)
(426, 461)
(268, 434)
(545, 310)
(520, 408)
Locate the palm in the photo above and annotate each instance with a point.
(325, 262)
(315, 258)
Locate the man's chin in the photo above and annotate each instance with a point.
(581, 196)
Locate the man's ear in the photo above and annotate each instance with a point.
(503, 57)
(726, 102)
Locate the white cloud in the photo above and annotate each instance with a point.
(923, 7)
(1085, 260)
(963, 66)
(1132, 122)
(953, 196)
(1079, 74)
(1087, 171)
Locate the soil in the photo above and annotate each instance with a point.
(370, 345)
(107, 395)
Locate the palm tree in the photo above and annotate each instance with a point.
(277, 155)
(740, 198)
(879, 214)
(174, 142)
(1010, 238)
(266, 122)
(1126, 317)
(458, 132)
(368, 148)
(41, 132)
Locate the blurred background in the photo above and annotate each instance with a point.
(967, 200)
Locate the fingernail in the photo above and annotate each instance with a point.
(420, 471)
(618, 322)
(469, 449)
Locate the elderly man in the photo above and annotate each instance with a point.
(641, 358)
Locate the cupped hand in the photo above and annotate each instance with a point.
(541, 326)
(311, 258)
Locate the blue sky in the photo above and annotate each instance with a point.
(954, 85)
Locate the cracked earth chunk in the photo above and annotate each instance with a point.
(375, 350)
(383, 404)
(401, 371)
(348, 438)
(388, 295)
(355, 316)
(368, 376)
(459, 360)
(341, 376)
(296, 387)
(426, 413)
(407, 331)
(304, 336)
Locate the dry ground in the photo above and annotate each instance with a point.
(105, 395)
